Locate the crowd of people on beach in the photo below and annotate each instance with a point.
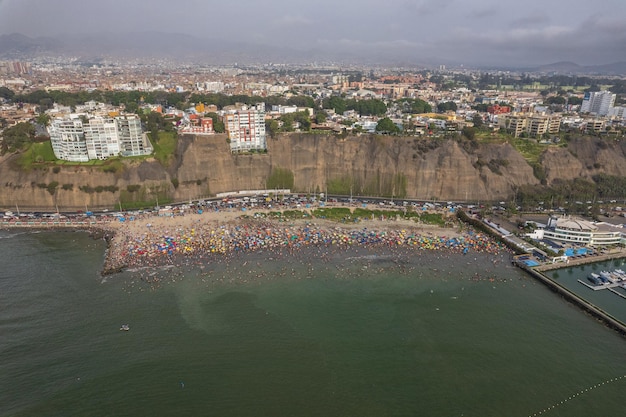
(165, 244)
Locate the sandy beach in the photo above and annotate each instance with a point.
(165, 240)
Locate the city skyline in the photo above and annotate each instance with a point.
(483, 32)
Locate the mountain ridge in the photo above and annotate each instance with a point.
(178, 46)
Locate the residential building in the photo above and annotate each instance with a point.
(597, 102)
(196, 126)
(82, 138)
(617, 112)
(133, 142)
(497, 109)
(67, 137)
(533, 125)
(595, 125)
(246, 128)
(513, 124)
(101, 138)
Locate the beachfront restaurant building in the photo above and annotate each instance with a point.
(580, 232)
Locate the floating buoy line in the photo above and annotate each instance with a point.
(575, 395)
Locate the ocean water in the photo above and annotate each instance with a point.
(322, 333)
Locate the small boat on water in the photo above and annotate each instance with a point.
(620, 274)
(606, 277)
(125, 328)
(595, 279)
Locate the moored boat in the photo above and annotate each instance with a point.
(595, 279)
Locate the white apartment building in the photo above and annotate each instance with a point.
(79, 139)
(101, 138)
(246, 128)
(617, 112)
(211, 86)
(598, 102)
(67, 137)
(133, 142)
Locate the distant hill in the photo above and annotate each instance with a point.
(190, 49)
(148, 45)
(615, 68)
(15, 45)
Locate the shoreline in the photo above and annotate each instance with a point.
(158, 241)
(214, 236)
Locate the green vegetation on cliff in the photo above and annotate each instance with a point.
(36, 153)
(165, 147)
(280, 178)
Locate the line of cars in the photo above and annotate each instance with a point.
(265, 201)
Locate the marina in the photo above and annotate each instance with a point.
(607, 281)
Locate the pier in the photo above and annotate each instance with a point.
(590, 308)
(601, 287)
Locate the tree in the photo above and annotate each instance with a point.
(320, 117)
(447, 106)
(131, 107)
(271, 127)
(481, 107)
(6, 93)
(469, 132)
(336, 103)
(555, 100)
(478, 121)
(301, 101)
(218, 124)
(414, 106)
(16, 137)
(304, 120)
(43, 119)
(386, 125)
(574, 101)
(45, 104)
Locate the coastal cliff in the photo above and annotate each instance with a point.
(364, 165)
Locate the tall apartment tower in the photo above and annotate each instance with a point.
(598, 102)
(133, 142)
(246, 128)
(78, 139)
(67, 137)
(101, 138)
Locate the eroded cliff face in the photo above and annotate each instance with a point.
(371, 165)
(584, 158)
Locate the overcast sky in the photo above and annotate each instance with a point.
(496, 32)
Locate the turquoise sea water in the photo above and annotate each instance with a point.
(337, 333)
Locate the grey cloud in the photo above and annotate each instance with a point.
(426, 7)
(484, 12)
(469, 31)
(534, 19)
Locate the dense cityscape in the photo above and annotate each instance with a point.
(203, 100)
(335, 208)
